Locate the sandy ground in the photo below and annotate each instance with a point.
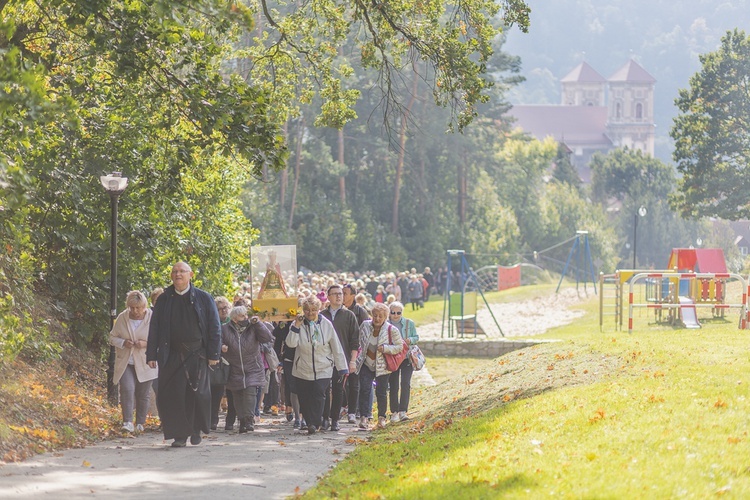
(522, 319)
(273, 462)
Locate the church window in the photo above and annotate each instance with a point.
(618, 110)
(639, 111)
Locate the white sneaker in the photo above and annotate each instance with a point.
(352, 418)
(139, 428)
(363, 423)
(128, 426)
(381, 422)
(395, 417)
(403, 416)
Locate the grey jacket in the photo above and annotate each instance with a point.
(243, 354)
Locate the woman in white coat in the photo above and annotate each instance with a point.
(317, 353)
(129, 336)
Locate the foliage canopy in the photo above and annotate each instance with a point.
(712, 134)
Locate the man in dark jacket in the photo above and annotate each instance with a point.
(347, 330)
(184, 338)
(352, 391)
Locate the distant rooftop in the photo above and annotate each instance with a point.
(583, 73)
(632, 72)
(574, 125)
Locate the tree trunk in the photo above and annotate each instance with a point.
(284, 173)
(297, 166)
(462, 191)
(342, 179)
(402, 154)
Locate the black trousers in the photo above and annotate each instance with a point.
(334, 398)
(217, 392)
(312, 397)
(352, 393)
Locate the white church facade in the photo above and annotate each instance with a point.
(596, 114)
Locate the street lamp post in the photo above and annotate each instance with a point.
(641, 212)
(114, 184)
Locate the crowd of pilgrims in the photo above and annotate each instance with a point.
(316, 372)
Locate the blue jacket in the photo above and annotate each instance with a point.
(208, 322)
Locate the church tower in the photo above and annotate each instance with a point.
(630, 110)
(583, 87)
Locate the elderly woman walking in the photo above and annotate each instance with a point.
(130, 335)
(242, 338)
(317, 353)
(407, 330)
(376, 338)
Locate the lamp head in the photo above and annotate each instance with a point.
(114, 183)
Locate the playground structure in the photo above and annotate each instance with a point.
(580, 254)
(461, 306)
(695, 279)
(460, 296)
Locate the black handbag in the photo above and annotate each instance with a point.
(219, 374)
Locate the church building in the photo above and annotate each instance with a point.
(596, 114)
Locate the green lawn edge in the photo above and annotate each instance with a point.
(659, 413)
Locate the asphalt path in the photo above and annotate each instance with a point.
(274, 461)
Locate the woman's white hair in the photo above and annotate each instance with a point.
(312, 302)
(237, 311)
(380, 306)
(135, 298)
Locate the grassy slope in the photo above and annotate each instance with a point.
(656, 414)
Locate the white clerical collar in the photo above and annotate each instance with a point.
(186, 290)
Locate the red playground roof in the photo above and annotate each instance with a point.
(699, 260)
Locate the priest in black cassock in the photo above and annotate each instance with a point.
(184, 338)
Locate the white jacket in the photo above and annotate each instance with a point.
(121, 332)
(318, 350)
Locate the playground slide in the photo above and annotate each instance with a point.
(687, 314)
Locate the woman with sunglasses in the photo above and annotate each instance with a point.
(399, 406)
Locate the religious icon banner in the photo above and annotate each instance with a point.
(274, 280)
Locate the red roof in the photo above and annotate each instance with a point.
(699, 260)
(574, 125)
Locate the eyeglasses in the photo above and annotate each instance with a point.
(397, 313)
(335, 294)
(179, 271)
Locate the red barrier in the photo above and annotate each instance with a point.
(508, 277)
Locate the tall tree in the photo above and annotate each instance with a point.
(622, 182)
(712, 134)
(134, 87)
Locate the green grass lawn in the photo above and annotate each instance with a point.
(661, 413)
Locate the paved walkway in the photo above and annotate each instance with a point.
(273, 462)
